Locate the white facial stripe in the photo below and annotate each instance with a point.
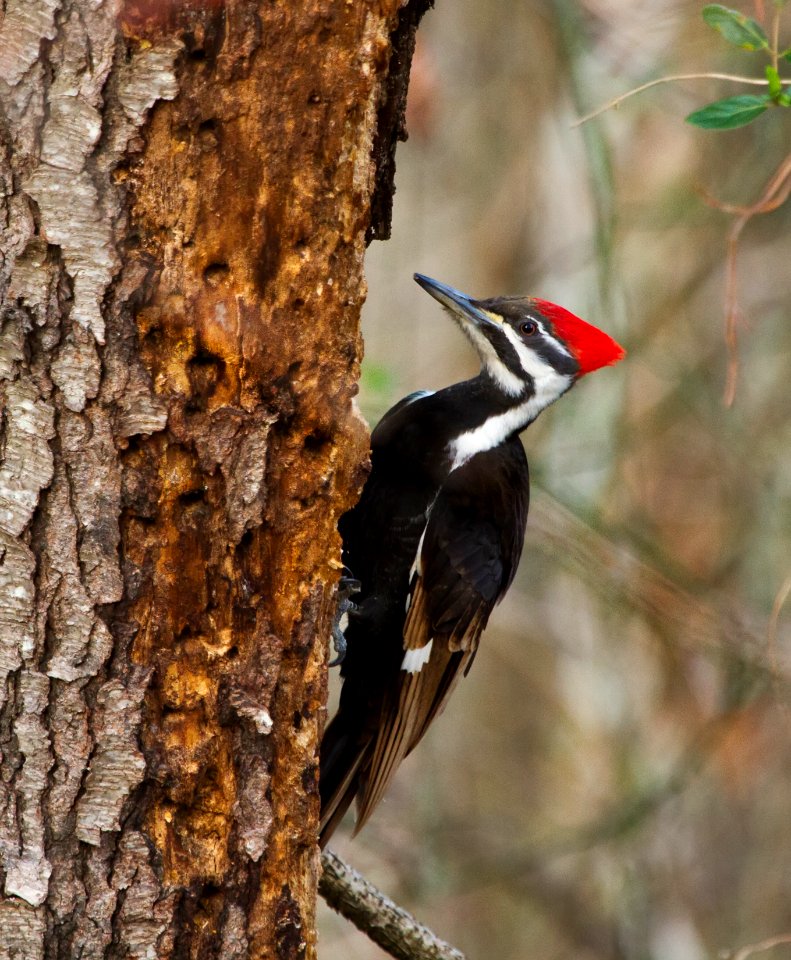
(535, 366)
(477, 339)
(532, 364)
(508, 382)
(496, 429)
(560, 347)
(415, 660)
(509, 332)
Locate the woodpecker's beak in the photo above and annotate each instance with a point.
(459, 304)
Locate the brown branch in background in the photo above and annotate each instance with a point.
(779, 602)
(744, 952)
(771, 634)
(775, 195)
(388, 925)
(613, 570)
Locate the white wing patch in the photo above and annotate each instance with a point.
(417, 563)
(415, 660)
(416, 570)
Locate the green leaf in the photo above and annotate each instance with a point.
(730, 113)
(786, 54)
(737, 29)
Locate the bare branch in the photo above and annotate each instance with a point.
(744, 952)
(782, 595)
(388, 925)
(616, 101)
(774, 195)
(613, 569)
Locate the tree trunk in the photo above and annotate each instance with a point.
(186, 191)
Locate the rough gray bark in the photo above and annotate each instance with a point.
(70, 755)
(185, 191)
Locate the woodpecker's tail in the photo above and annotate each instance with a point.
(341, 761)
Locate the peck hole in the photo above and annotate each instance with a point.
(216, 273)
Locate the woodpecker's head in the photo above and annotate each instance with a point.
(527, 346)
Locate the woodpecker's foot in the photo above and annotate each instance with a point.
(347, 587)
(338, 643)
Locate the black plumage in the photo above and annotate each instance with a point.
(435, 541)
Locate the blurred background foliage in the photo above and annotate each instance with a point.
(613, 779)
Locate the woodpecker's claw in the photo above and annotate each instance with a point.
(339, 645)
(348, 584)
(347, 587)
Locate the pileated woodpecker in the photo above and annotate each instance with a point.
(437, 535)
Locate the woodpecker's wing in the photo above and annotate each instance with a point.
(466, 561)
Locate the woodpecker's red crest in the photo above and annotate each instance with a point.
(593, 348)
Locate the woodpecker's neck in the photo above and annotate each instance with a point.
(491, 416)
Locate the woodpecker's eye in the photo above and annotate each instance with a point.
(528, 328)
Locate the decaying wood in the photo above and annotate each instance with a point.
(185, 190)
(391, 122)
(388, 925)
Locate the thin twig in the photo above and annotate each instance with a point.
(616, 101)
(615, 571)
(774, 195)
(744, 952)
(388, 925)
(771, 635)
(779, 602)
(732, 312)
(776, 37)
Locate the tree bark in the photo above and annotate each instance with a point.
(186, 191)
